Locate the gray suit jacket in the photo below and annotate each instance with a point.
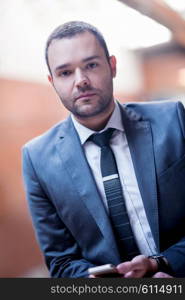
(70, 220)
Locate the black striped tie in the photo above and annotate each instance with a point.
(113, 190)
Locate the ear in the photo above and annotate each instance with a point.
(112, 61)
(50, 78)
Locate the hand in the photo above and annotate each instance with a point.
(138, 267)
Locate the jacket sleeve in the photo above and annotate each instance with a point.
(62, 254)
(176, 253)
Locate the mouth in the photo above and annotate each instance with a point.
(82, 96)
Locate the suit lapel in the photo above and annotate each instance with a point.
(74, 160)
(140, 143)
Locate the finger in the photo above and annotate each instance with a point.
(161, 275)
(129, 274)
(140, 266)
(139, 260)
(124, 267)
(143, 264)
(132, 265)
(134, 274)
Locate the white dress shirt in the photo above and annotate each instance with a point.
(132, 196)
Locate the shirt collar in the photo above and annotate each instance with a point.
(115, 121)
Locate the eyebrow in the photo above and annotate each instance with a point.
(83, 60)
(90, 58)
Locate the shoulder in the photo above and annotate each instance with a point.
(154, 106)
(161, 114)
(155, 109)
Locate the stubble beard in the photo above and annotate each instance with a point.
(86, 109)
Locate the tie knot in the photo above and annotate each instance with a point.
(102, 139)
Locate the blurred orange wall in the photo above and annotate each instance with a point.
(27, 110)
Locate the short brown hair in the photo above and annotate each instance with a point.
(72, 28)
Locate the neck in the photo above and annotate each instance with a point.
(98, 122)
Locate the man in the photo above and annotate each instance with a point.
(72, 180)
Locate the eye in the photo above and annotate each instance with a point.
(92, 65)
(65, 73)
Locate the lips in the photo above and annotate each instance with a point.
(85, 96)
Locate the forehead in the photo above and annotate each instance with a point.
(74, 49)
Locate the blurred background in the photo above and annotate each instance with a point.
(148, 39)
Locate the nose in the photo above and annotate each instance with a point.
(81, 79)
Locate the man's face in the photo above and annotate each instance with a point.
(81, 75)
